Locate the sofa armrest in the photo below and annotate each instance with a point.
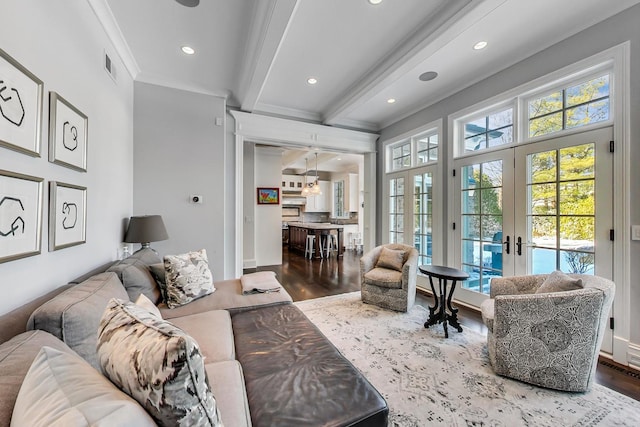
(410, 270)
(368, 261)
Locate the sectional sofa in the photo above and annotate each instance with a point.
(266, 364)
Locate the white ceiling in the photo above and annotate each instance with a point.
(259, 53)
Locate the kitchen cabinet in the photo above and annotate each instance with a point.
(322, 202)
(353, 193)
(292, 183)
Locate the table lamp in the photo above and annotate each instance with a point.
(146, 229)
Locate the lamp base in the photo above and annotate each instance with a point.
(146, 245)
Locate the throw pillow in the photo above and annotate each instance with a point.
(158, 273)
(157, 364)
(559, 282)
(188, 278)
(60, 388)
(146, 303)
(392, 259)
(137, 280)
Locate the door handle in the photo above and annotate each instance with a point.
(507, 245)
(519, 246)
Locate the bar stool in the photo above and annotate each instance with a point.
(309, 246)
(331, 243)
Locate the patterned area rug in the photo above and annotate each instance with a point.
(429, 380)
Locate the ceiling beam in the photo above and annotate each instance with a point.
(268, 29)
(438, 30)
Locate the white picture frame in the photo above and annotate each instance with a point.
(68, 131)
(20, 107)
(20, 215)
(67, 215)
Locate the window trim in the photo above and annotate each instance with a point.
(433, 128)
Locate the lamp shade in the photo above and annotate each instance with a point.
(145, 229)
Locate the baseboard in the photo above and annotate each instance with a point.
(633, 355)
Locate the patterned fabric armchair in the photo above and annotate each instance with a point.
(548, 339)
(393, 288)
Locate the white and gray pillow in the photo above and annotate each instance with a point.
(187, 278)
(157, 364)
(60, 388)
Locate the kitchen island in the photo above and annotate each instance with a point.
(298, 232)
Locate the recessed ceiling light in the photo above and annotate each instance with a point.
(188, 50)
(429, 75)
(480, 45)
(189, 3)
(391, 101)
(312, 80)
(374, 2)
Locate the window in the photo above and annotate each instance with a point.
(338, 199)
(401, 156)
(489, 131)
(396, 210)
(417, 150)
(574, 106)
(427, 148)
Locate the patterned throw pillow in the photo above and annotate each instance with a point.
(157, 364)
(188, 277)
(557, 281)
(392, 259)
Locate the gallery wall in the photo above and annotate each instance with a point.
(65, 47)
(611, 32)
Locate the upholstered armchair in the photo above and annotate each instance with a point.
(388, 276)
(550, 339)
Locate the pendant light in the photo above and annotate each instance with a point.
(305, 190)
(315, 189)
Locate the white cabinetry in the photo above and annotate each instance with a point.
(292, 183)
(322, 202)
(353, 193)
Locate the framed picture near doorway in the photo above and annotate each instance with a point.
(20, 107)
(268, 196)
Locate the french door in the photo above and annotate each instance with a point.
(535, 208)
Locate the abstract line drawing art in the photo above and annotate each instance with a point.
(70, 212)
(11, 221)
(20, 107)
(20, 215)
(67, 215)
(11, 106)
(67, 134)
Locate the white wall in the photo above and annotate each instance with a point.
(595, 39)
(268, 218)
(179, 150)
(64, 47)
(248, 207)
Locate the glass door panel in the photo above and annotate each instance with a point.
(396, 210)
(423, 216)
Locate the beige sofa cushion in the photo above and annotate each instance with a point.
(212, 331)
(16, 356)
(228, 296)
(227, 382)
(157, 364)
(384, 278)
(61, 388)
(74, 315)
(392, 259)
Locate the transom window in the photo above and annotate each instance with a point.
(418, 150)
(489, 131)
(570, 107)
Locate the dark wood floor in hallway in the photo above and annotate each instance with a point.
(307, 279)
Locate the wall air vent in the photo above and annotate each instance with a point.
(109, 66)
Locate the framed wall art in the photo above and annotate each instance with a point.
(20, 107)
(67, 134)
(268, 196)
(20, 215)
(67, 215)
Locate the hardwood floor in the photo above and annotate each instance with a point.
(307, 279)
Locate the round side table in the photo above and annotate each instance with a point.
(438, 313)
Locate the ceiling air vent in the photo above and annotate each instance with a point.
(109, 66)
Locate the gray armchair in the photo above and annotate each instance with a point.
(390, 288)
(548, 339)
